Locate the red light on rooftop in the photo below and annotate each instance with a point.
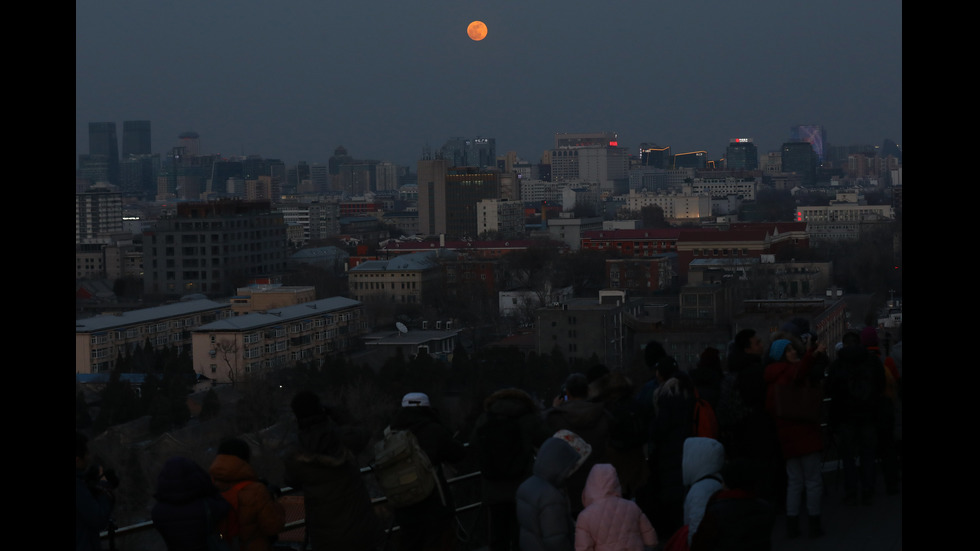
(613, 144)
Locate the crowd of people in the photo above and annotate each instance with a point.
(607, 464)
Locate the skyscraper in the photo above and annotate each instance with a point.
(136, 138)
(448, 197)
(103, 147)
(478, 152)
(102, 139)
(800, 158)
(813, 134)
(742, 154)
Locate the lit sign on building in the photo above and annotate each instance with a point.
(613, 144)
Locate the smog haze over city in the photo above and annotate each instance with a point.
(385, 79)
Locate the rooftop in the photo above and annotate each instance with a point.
(279, 315)
(145, 315)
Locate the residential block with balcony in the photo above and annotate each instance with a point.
(234, 349)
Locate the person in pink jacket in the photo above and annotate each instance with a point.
(609, 522)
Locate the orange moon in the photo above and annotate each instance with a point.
(477, 30)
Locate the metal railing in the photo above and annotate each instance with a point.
(113, 534)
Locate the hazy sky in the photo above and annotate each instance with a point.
(294, 79)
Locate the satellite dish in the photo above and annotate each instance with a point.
(401, 327)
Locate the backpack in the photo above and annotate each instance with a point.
(628, 429)
(230, 527)
(505, 453)
(705, 421)
(402, 469)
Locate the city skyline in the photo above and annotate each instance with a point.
(389, 79)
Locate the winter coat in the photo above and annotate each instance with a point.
(735, 520)
(92, 512)
(429, 522)
(796, 439)
(628, 417)
(339, 514)
(185, 496)
(260, 516)
(844, 407)
(519, 405)
(672, 424)
(591, 421)
(754, 433)
(609, 522)
(703, 461)
(543, 509)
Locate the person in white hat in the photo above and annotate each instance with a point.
(429, 523)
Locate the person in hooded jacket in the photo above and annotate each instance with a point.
(801, 442)
(704, 458)
(609, 522)
(500, 490)
(260, 516)
(188, 506)
(338, 509)
(429, 524)
(543, 506)
(588, 419)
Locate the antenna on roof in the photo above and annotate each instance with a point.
(401, 327)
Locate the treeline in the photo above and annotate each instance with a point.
(162, 395)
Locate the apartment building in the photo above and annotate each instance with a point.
(99, 340)
(404, 279)
(210, 247)
(233, 349)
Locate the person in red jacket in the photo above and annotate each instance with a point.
(260, 516)
(801, 442)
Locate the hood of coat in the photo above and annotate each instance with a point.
(512, 402)
(602, 482)
(702, 457)
(580, 414)
(556, 461)
(226, 470)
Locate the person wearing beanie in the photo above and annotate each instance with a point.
(428, 524)
(339, 513)
(801, 442)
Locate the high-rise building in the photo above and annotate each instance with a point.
(448, 197)
(653, 155)
(801, 159)
(815, 135)
(136, 138)
(742, 154)
(479, 152)
(137, 175)
(191, 142)
(102, 139)
(103, 147)
(98, 213)
(213, 247)
(691, 159)
(594, 157)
